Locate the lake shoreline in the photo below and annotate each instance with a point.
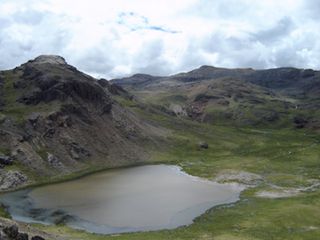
(169, 175)
(80, 174)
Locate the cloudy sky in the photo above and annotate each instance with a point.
(114, 38)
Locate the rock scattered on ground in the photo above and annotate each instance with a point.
(246, 178)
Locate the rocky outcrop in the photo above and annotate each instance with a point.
(300, 121)
(78, 152)
(12, 232)
(11, 179)
(49, 59)
(49, 78)
(37, 238)
(203, 145)
(178, 110)
(5, 160)
(115, 89)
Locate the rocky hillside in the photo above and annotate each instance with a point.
(282, 97)
(56, 120)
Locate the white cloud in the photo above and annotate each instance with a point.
(116, 38)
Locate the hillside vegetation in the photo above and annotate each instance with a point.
(261, 129)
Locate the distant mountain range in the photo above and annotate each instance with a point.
(243, 97)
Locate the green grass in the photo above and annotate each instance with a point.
(5, 150)
(284, 157)
(3, 212)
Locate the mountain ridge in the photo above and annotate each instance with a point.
(206, 72)
(56, 120)
(243, 97)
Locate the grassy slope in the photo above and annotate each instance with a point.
(285, 157)
(249, 105)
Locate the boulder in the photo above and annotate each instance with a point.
(78, 152)
(300, 121)
(22, 236)
(5, 160)
(12, 231)
(53, 160)
(203, 145)
(37, 238)
(33, 118)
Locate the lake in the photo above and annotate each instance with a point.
(141, 198)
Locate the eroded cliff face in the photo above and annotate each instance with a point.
(55, 120)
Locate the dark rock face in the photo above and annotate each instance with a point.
(37, 238)
(33, 118)
(49, 78)
(77, 152)
(203, 145)
(22, 236)
(12, 231)
(5, 160)
(63, 90)
(115, 89)
(300, 121)
(307, 73)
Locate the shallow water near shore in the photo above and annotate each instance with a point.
(122, 200)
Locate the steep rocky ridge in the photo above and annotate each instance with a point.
(55, 120)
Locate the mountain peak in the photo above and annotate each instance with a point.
(207, 67)
(50, 59)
